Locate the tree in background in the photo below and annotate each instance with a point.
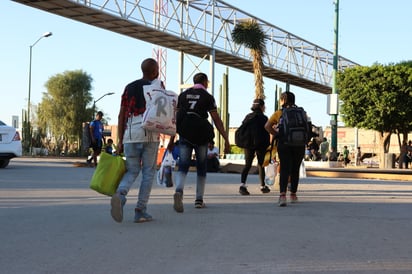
(64, 107)
(377, 98)
(249, 34)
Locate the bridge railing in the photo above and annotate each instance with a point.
(209, 23)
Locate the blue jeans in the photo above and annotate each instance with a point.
(139, 157)
(185, 150)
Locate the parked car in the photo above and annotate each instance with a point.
(10, 144)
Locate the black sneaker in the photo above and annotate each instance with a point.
(200, 204)
(243, 190)
(265, 189)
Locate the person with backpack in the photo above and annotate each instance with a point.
(257, 141)
(291, 127)
(139, 145)
(194, 106)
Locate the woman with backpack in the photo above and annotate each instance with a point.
(284, 125)
(258, 141)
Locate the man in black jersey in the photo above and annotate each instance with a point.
(198, 103)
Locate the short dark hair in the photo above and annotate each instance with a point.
(200, 78)
(149, 67)
(147, 64)
(99, 113)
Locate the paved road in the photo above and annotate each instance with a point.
(51, 222)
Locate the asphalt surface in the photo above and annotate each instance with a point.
(53, 223)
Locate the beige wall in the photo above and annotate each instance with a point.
(368, 140)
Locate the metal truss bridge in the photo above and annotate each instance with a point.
(203, 28)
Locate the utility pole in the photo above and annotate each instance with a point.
(334, 100)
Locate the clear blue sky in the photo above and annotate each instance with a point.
(370, 31)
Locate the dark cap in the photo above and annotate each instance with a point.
(99, 113)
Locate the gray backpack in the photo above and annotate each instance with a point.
(294, 128)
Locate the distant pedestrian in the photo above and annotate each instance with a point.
(324, 149)
(314, 150)
(109, 146)
(333, 154)
(213, 163)
(408, 155)
(96, 134)
(402, 155)
(358, 156)
(345, 154)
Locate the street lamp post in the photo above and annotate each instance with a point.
(28, 135)
(95, 101)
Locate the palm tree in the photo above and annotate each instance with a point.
(249, 34)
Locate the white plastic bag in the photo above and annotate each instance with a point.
(302, 170)
(160, 114)
(270, 173)
(164, 174)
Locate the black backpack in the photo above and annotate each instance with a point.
(294, 128)
(251, 134)
(243, 136)
(193, 128)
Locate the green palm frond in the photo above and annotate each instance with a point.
(250, 34)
